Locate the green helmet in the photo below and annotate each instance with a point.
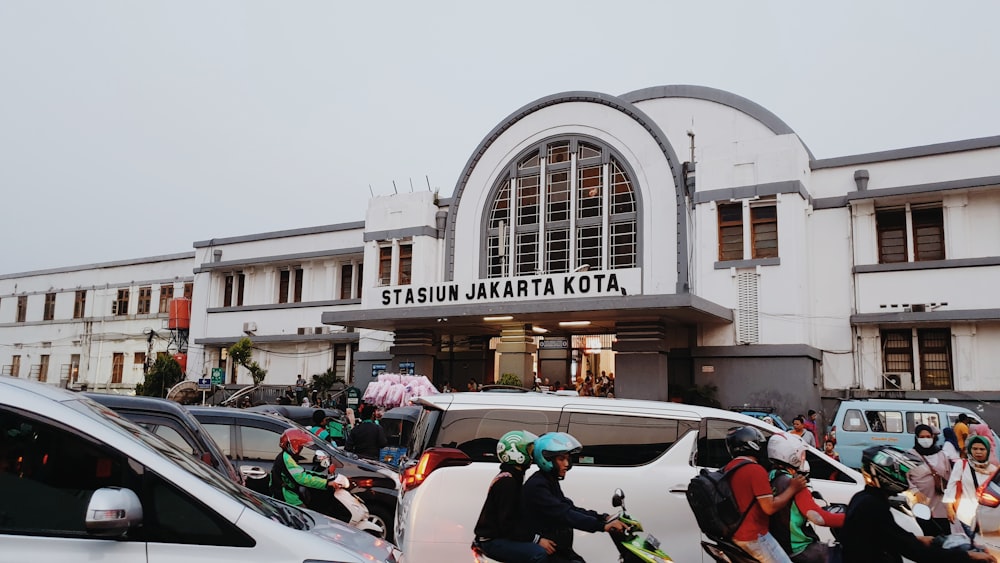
(515, 447)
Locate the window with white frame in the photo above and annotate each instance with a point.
(920, 356)
(290, 285)
(120, 306)
(50, 307)
(910, 233)
(748, 229)
(564, 204)
(234, 284)
(166, 294)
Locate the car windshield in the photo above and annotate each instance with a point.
(266, 506)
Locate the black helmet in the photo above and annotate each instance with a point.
(888, 467)
(748, 441)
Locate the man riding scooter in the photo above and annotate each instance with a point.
(497, 533)
(287, 474)
(547, 511)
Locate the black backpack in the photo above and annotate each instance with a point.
(711, 499)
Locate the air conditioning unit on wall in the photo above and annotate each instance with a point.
(249, 327)
(898, 381)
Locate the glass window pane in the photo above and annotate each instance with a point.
(587, 150)
(220, 433)
(622, 198)
(617, 440)
(557, 196)
(623, 245)
(527, 253)
(588, 247)
(557, 251)
(558, 152)
(476, 431)
(259, 443)
(530, 161)
(589, 197)
(527, 200)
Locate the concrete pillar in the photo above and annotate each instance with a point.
(641, 361)
(415, 346)
(516, 349)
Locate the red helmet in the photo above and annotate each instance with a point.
(293, 439)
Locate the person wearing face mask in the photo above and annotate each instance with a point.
(961, 495)
(928, 481)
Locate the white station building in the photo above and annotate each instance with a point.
(592, 232)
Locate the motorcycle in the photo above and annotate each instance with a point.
(357, 515)
(725, 551)
(635, 545)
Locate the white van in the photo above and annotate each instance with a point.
(862, 423)
(80, 483)
(649, 449)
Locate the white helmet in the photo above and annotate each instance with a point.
(788, 450)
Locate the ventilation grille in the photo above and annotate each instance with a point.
(747, 331)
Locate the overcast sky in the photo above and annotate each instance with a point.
(134, 128)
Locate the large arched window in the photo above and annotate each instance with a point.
(565, 204)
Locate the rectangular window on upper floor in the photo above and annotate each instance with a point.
(405, 264)
(22, 308)
(145, 300)
(80, 305)
(188, 290)
(166, 294)
(346, 280)
(290, 285)
(384, 265)
(912, 357)
(233, 289)
(120, 305)
(748, 230)
(911, 233)
(50, 307)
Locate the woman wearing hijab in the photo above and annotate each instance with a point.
(960, 495)
(950, 445)
(983, 430)
(930, 479)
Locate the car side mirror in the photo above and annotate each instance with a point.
(112, 511)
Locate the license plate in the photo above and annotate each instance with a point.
(652, 543)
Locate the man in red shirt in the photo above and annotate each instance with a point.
(752, 489)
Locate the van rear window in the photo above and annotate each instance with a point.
(854, 422)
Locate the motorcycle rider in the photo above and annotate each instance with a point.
(791, 525)
(286, 473)
(546, 511)
(870, 535)
(497, 529)
(752, 490)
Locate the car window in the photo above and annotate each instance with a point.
(885, 421)
(220, 434)
(170, 435)
(928, 418)
(259, 443)
(48, 474)
(621, 440)
(476, 431)
(712, 451)
(854, 422)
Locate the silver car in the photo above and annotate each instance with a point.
(79, 482)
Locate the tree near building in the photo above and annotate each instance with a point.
(242, 354)
(164, 374)
(325, 381)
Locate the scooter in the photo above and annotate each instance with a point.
(358, 514)
(635, 545)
